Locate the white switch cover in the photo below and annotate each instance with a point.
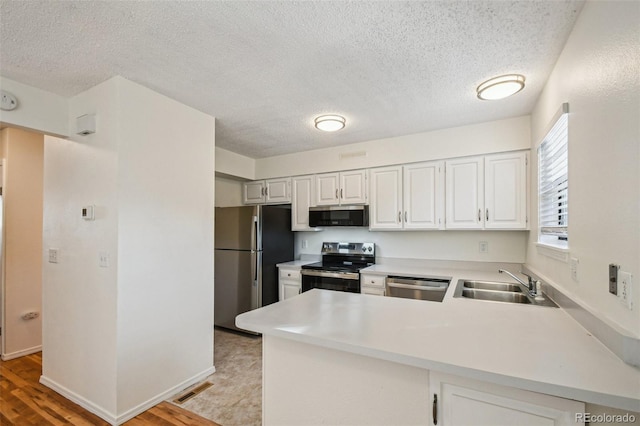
(103, 259)
(53, 255)
(483, 247)
(625, 289)
(574, 269)
(305, 243)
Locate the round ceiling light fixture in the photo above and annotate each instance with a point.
(330, 122)
(500, 87)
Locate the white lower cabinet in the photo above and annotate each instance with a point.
(458, 401)
(372, 284)
(289, 282)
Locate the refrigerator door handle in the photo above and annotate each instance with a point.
(257, 279)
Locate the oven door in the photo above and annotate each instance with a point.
(339, 281)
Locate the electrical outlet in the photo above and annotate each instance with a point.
(574, 269)
(625, 289)
(305, 243)
(103, 259)
(53, 255)
(483, 247)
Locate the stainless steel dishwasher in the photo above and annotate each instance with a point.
(432, 289)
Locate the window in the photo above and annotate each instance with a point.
(553, 183)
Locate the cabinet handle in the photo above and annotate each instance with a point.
(405, 216)
(337, 194)
(479, 215)
(399, 217)
(487, 215)
(341, 196)
(262, 191)
(435, 408)
(266, 191)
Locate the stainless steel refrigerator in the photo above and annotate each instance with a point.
(249, 242)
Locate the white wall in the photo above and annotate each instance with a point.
(597, 74)
(79, 298)
(504, 246)
(111, 333)
(484, 138)
(232, 164)
(21, 272)
(37, 109)
(228, 192)
(165, 244)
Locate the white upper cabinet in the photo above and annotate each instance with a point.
(505, 191)
(407, 197)
(423, 195)
(465, 193)
(341, 188)
(487, 192)
(302, 197)
(271, 191)
(386, 198)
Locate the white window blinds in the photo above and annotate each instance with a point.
(553, 182)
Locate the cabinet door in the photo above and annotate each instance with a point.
(465, 193)
(302, 197)
(253, 192)
(278, 191)
(289, 290)
(353, 187)
(505, 191)
(289, 283)
(423, 196)
(327, 189)
(386, 198)
(462, 401)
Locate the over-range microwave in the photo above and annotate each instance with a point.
(339, 216)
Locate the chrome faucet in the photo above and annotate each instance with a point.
(531, 285)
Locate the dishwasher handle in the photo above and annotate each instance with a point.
(420, 287)
(421, 283)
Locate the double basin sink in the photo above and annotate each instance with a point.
(499, 292)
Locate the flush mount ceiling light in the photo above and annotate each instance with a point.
(500, 87)
(329, 123)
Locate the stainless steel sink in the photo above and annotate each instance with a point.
(497, 296)
(493, 285)
(496, 291)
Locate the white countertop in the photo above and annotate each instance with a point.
(294, 263)
(535, 348)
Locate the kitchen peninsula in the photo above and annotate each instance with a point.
(339, 358)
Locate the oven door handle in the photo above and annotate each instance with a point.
(341, 275)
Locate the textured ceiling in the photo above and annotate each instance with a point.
(266, 69)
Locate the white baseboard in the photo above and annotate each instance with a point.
(140, 408)
(18, 354)
(164, 395)
(81, 401)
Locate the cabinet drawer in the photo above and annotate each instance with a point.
(376, 291)
(372, 280)
(290, 274)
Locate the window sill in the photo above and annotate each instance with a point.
(554, 252)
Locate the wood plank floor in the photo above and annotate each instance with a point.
(24, 401)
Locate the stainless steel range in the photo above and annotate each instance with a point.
(340, 267)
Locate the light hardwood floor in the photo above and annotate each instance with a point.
(24, 401)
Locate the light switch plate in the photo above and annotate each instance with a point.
(53, 255)
(574, 269)
(625, 289)
(483, 247)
